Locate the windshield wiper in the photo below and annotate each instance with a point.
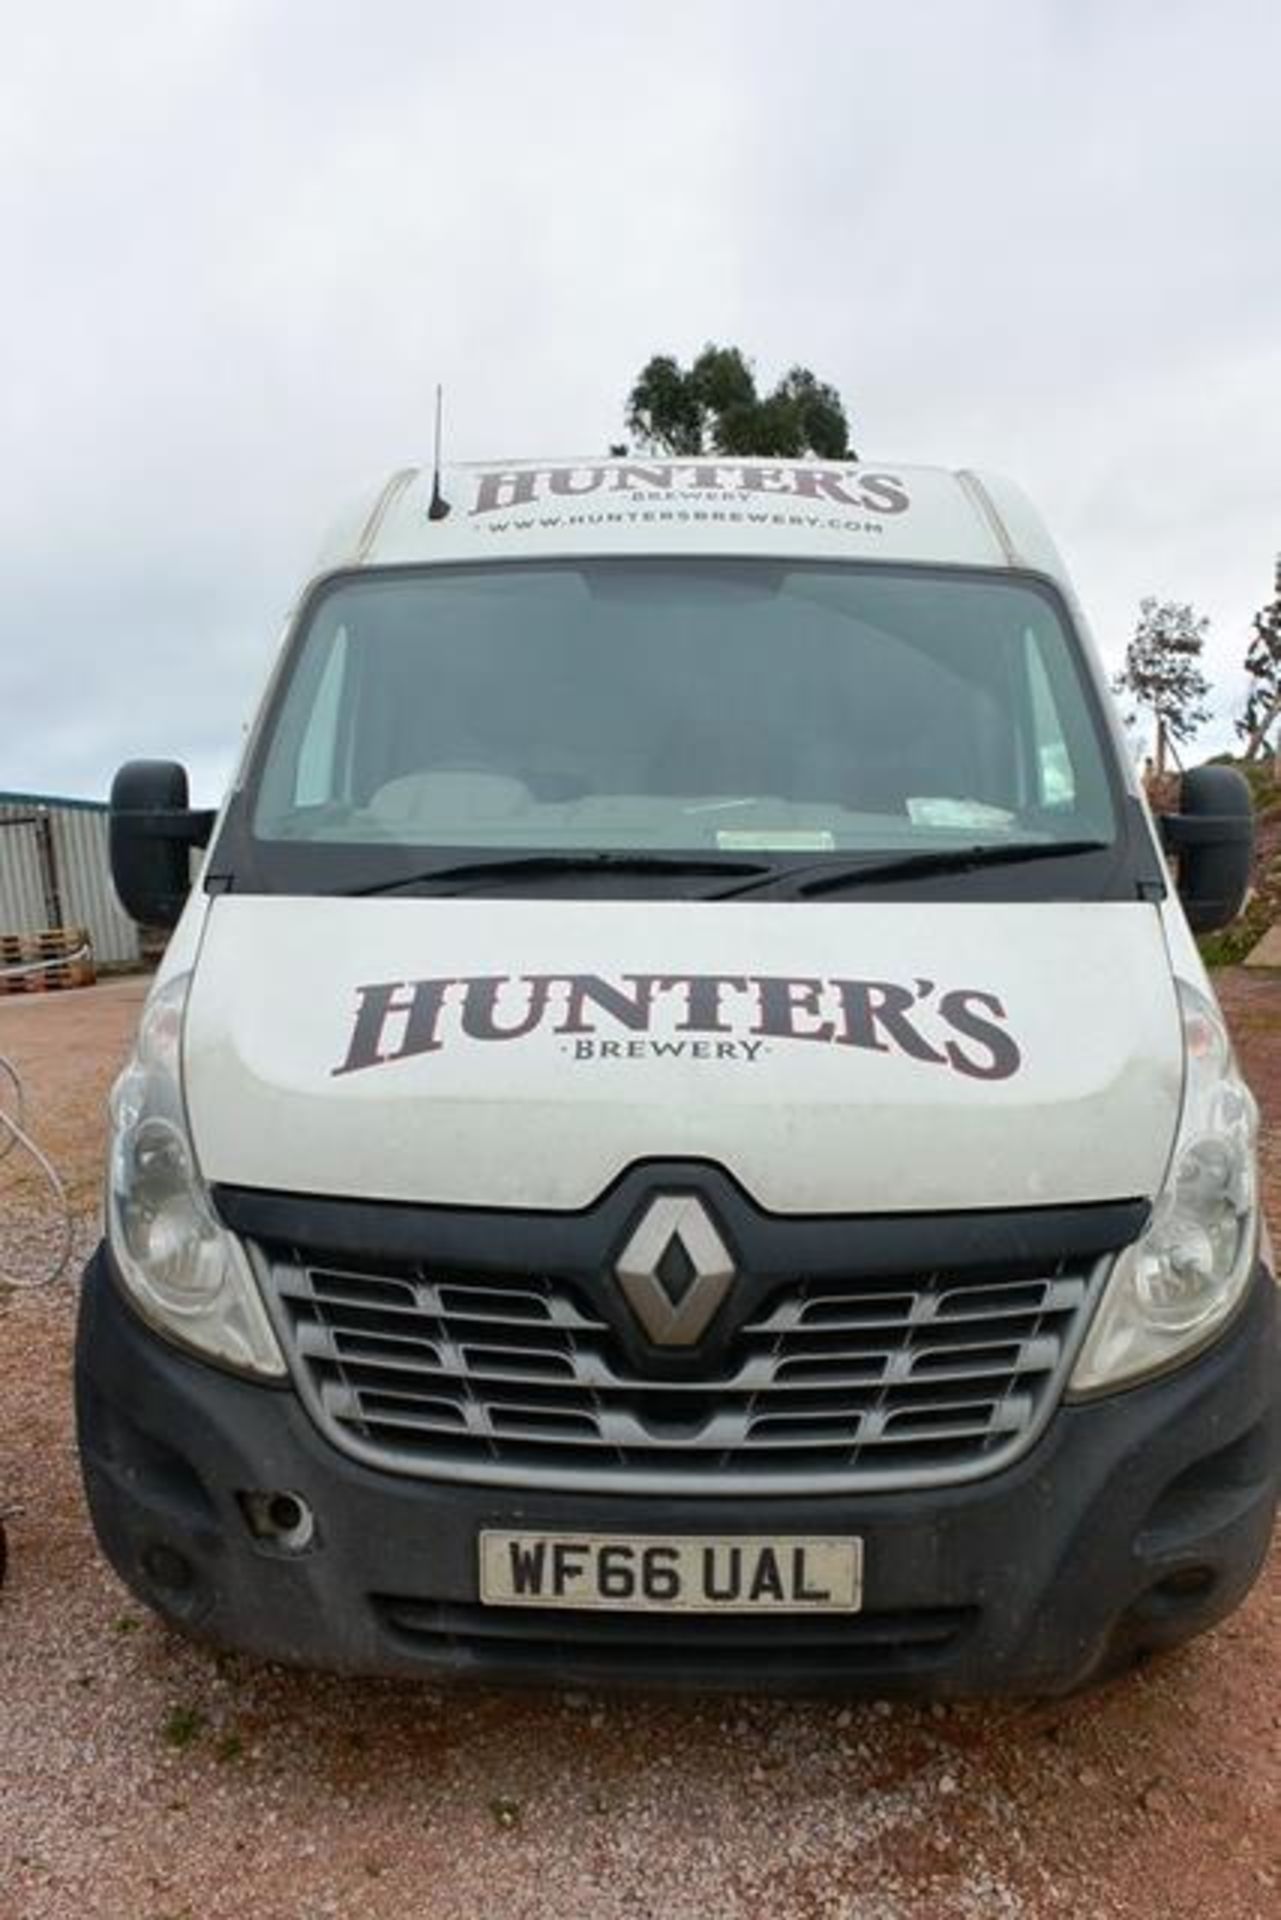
(825, 876)
(533, 866)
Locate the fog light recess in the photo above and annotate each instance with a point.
(166, 1569)
(1188, 1583)
(279, 1519)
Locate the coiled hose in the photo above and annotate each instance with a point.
(14, 1135)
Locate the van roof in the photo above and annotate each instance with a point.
(545, 509)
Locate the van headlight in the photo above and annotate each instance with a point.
(1175, 1288)
(187, 1276)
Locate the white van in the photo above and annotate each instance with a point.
(682, 1135)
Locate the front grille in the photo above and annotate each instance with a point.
(648, 1648)
(826, 1384)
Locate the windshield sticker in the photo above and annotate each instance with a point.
(688, 1016)
(775, 839)
(513, 489)
(926, 811)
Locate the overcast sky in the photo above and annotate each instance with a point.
(242, 239)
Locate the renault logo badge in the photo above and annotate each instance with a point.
(675, 1270)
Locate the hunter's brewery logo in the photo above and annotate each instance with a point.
(695, 1016)
(503, 489)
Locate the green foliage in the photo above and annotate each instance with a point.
(1162, 670)
(1229, 946)
(1258, 776)
(819, 413)
(723, 380)
(183, 1725)
(713, 407)
(666, 409)
(1263, 664)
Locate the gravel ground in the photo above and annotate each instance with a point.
(145, 1779)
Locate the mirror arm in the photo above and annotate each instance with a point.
(1181, 830)
(192, 824)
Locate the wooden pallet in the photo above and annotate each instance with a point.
(41, 962)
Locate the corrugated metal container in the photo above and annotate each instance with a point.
(55, 872)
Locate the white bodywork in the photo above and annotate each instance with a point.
(537, 509)
(805, 1122)
(808, 1121)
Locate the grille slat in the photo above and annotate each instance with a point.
(668, 1648)
(825, 1384)
(588, 1371)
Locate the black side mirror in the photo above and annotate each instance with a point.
(1213, 836)
(152, 830)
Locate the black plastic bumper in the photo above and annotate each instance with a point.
(1137, 1520)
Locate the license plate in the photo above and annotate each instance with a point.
(672, 1573)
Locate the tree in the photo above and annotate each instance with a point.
(1162, 671)
(1263, 664)
(713, 407)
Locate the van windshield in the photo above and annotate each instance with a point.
(749, 708)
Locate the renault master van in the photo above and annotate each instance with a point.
(682, 1136)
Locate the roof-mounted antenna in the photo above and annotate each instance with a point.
(439, 507)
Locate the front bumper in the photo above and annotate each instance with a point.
(1136, 1521)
